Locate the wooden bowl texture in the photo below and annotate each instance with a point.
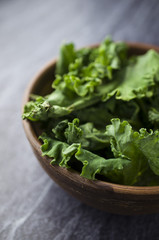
(114, 198)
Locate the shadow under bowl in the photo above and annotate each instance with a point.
(114, 198)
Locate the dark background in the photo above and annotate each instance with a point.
(32, 206)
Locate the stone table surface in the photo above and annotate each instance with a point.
(32, 206)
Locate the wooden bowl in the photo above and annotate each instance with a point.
(114, 198)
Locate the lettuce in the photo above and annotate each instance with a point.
(102, 117)
(141, 148)
(138, 78)
(63, 154)
(86, 134)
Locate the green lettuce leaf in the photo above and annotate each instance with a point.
(153, 115)
(86, 134)
(67, 56)
(84, 76)
(92, 164)
(61, 102)
(141, 148)
(137, 80)
(41, 110)
(35, 110)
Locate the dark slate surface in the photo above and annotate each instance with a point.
(32, 206)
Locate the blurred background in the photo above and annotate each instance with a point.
(32, 206)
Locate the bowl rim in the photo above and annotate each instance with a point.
(73, 175)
